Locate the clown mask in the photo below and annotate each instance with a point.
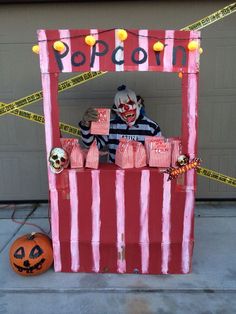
(127, 106)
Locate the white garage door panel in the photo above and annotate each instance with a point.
(217, 123)
(224, 162)
(23, 175)
(19, 134)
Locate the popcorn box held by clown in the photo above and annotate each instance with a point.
(101, 126)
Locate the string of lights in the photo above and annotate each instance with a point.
(97, 34)
(121, 35)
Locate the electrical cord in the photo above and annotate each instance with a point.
(35, 206)
(22, 223)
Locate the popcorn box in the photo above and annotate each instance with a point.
(159, 152)
(148, 140)
(68, 143)
(140, 156)
(176, 150)
(76, 157)
(125, 154)
(102, 126)
(92, 159)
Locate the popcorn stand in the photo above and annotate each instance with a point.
(112, 219)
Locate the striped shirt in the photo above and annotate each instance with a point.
(118, 128)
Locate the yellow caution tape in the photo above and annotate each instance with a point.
(212, 18)
(216, 176)
(64, 85)
(66, 128)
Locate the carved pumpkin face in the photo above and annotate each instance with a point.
(31, 254)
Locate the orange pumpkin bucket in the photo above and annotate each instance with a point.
(31, 254)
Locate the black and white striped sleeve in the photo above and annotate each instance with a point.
(156, 130)
(151, 126)
(88, 138)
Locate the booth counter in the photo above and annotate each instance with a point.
(125, 221)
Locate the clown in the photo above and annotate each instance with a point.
(129, 122)
(126, 105)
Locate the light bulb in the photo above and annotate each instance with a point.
(59, 46)
(192, 45)
(122, 34)
(90, 40)
(35, 49)
(158, 46)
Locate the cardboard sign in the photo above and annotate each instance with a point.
(109, 53)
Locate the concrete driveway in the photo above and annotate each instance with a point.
(210, 288)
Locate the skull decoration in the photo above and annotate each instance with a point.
(58, 160)
(126, 105)
(182, 160)
(31, 254)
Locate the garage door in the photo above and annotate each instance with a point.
(22, 147)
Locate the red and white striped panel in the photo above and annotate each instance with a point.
(121, 221)
(134, 54)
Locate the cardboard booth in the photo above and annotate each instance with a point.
(112, 219)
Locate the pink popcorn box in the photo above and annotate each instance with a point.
(158, 151)
(125, 154)
(92, 159)
(140, 156)
(160, 154)
(148, 140)
(68, 143)
(102, 126)
(76, 157)
(176, 148)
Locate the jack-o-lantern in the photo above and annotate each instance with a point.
(31, 254)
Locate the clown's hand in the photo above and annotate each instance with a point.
(90, 115)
